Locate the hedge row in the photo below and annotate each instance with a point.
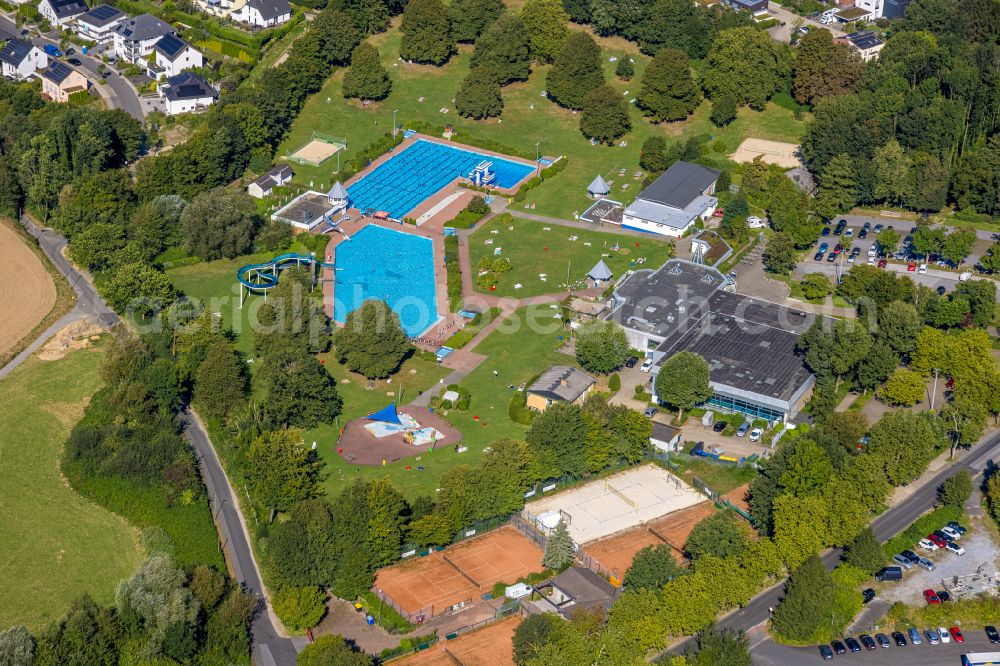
(542, 176)
(454, 270)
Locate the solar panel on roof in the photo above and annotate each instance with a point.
(170, 44)
(103, 12)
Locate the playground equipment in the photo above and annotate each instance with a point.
(264, 276)
(483, 174)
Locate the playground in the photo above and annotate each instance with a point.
(26, 299)
(612, 504)
(490, 646)
(615, 553)
(431, 585)
(388, 436)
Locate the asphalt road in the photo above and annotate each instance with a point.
(118, 92)
(886, 526)
(771, 654)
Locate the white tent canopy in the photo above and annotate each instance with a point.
(600, 272)
(598, 187)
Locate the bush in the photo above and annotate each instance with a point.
(385, 615)
(454, 271)
(300, 608)
(478, 206)
(956, 489)
(464, 396)
(614, 383)
(518, 410)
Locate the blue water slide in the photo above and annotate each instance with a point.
(265, 275)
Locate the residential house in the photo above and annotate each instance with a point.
(753, 6)
(98, 25)
(276, 176)
(665, 437)
(866, 42)
(261, 13)
(559, 383)
(20, 59)
(575, 589)
(675, 201)
(187, 93)
(61, 13)
(59, 81)
(135, 38)
(172, 56)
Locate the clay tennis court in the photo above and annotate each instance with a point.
(490, 646)
(615, 553)
(612, 504)
(771, 152)
(27, 292)
(316, 151)
(463, 572)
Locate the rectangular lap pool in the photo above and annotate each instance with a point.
(392, 266)
(402, 182)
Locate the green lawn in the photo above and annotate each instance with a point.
(533, 251)
(528, 119)
(54, 544)
(535, 338)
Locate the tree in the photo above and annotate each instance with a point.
(300, 608)
(904, 443)
(669, 23)
(746, 64)
(720, 647)
(97, 246)
(506, 472)
(838, 189)
(331, 650)
(718, 535)
(156, 593)
(816, 286)
(653, 156)
(724, 109)
(823, 68)
(479, 95)
(427, 34)
(652, 568)
(367, 79)
(807, 469)
(554, 439)
(372, 341)
(892, 171)
(865, 552)
(138, 289)
(899, 324)
(903, 388)
(876, 367)
(17, 646)
(219, 223)
(624, 68)
(296, 389)
(683, 381)
(559, 549)
(220, 384)
(668, 92)
(958, 244)
(601, 346)
(207, 586)
(605, 115)
(779, 254)
(929, 183)
(576, 71)
(545, 22)
(292, 316)
(889, 240)
(505, 48)
(965, 420)
(807, 603)
(469, 18)
(788, 210)
(337, 33)
(370, 16)
(956, 489)
(281, 471)
(531, 635)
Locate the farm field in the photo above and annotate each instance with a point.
(533, 251)
(54, 544)
(27, 292)
(528, 119)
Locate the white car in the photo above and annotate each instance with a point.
(646, 366)
(955, 548)
(927, 544)
(755, 222)
(923, 269)
(756, 434)
(952, 532)
(872, 251)
(944, 634)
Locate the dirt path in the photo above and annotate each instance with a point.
(27, 293)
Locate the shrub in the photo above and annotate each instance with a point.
(300, 608)
(518, 410)
(615, 383)
(478, 205)
(385, 615)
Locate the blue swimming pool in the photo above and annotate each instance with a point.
(401, 183)
(392, 266)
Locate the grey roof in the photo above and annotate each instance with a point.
(273, 176)
(143, 27)
(67, 8)
(678, 218)
(679, 185)
(102, 15)
(663, 432)
(866, 39)
(187, 86)
(337, 191)
(561, 382)
(598, 186)
(57, 71)
(15, 51)
(600, 271)
(170, 46)
(270, 9)
(587, 588)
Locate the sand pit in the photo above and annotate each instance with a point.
(771, 152)
(78, 335)
(490, 646)
(608, 506)
(315, 152)
(430, 585)
(27, 292)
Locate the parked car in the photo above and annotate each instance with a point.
(877, 229)
(932, 636)
(838, 248)
(650, 412)
(892, 574)
(944, 635)
(823, 247)
(868, 642)
(944, 596)
(953, 533)
(914, 635)
(911, 556)
(849, 232)
(992, 634)
(926, 564)
(863, 234)
(911, 267)
(936, 540)
(70, 51)
(832, 257)
(646, 366)
(882, 640)
(899, 638)
(873, 251)
(838, 647)
(825, 652)
(74, 61)
(52, 50)
(931, 597)
(867, 595)
(631, 361)
(958, 527)
(943, 536)
(719, 426)
(902, 561)
(852, 258)
(927, 544)
(852, 644)
(956, 633)
(756, 434)
(742, 430)
(841, 225)
(955, 548)
(818, 256)
(882, 263)
(755, 222)
(825, 232)
(922, 270)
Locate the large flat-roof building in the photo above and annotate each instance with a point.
(675, 201)
(749, 344)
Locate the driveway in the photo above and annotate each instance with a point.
(783, 33)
